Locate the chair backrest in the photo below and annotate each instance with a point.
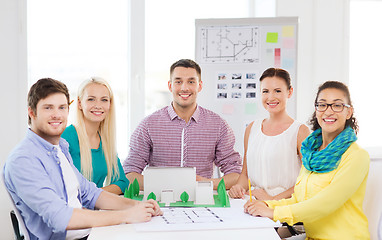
(15, 212)
(16, 226)
(372, 204)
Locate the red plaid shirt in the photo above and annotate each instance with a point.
(207, 140)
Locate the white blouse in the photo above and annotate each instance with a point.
(272, 161)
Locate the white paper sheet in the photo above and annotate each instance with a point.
(179, 219)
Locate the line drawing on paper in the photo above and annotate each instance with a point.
(189, 215)
(230, 44)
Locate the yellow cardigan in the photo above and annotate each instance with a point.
(329, 204)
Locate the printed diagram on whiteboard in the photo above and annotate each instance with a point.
(229, 44)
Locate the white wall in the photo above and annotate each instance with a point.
(13, 75)
(136, 87)
(322, 46)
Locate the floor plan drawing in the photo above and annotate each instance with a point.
(189, 215)
(230, 44)
(179, 219)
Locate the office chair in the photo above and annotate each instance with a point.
(16, 219)
(16, 227)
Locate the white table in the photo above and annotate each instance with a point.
(127, 231)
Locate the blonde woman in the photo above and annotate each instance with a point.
(92, 143)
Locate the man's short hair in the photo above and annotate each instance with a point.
(42, 89)
(186, 63)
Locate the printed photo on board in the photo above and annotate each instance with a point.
(251, 86)
(222, 95)
(251, 95)
(236, 85)
(236, 76)
(222, 76)
(222, 86)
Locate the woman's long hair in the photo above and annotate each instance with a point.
(106, 131)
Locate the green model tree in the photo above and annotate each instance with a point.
(135, 188)
(184, 197)
(152, 196)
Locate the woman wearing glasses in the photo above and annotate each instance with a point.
(330, 188)
(272, 158)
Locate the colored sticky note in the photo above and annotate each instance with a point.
(287, 31)
(287, 63)
(250, 108)
(277, 52)
(228, 109)
(272, 37)
(288, 43)
(277, 62)
(269, 56)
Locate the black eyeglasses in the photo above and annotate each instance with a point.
(336, 107)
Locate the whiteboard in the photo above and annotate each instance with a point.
(233, 53)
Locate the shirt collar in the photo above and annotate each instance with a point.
(47, 145)
(173, 115)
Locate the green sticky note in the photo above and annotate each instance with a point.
(250, 108)
(272, 37)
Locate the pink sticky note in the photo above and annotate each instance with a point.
(228, 109)
(288, 43)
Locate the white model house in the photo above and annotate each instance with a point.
(168, 183)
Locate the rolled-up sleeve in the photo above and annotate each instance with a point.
(227, 159)
(32, 185)
(140, 146)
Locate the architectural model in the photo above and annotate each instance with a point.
(177, 187)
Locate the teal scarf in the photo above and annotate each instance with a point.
(329, 158)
